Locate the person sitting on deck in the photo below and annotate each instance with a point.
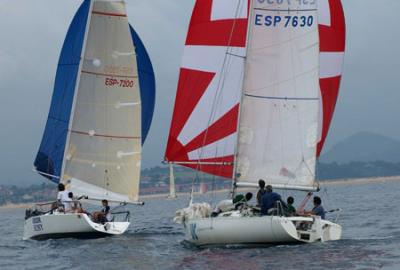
(68, 203)
(104, 215)
(75, 206)
(239, 201)
(270, 200)
(62, 197)
(318, 209)
(290, 210)
(261, 191)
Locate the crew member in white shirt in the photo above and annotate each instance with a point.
(62, 197)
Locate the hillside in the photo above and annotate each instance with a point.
(364, 147)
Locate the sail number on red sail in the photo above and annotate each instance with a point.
(285, 21)
(119, 83)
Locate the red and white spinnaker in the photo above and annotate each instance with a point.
(203, 133)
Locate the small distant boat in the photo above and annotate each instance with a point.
(100, 115)
(257, 90)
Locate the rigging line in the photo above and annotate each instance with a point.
(328, 203)
(236, 55)
(213, 111)
(222, 79)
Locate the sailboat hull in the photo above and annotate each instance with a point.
(60, 225)
(241, 230)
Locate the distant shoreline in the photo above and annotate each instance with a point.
(16, 206)
(357, 181)
(360, 181)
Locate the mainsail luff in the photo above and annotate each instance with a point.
(278, 124)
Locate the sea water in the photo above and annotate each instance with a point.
(371, 239)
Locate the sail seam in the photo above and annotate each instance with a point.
(108, 14)
(105, 135)
(108, 75)
(282, 98)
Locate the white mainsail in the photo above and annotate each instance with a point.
(103, 152)
(278, 126)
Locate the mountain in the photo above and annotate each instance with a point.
(364, 147)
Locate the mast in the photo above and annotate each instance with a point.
(234, 186)
(172, 193)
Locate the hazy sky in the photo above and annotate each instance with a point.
(32, 33)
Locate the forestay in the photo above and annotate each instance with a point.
(278, 126)
(204, 123)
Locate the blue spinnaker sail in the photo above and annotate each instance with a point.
(49, 159)
(147, 83)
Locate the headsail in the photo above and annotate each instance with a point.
(204, 124)
(332, 30)
(101, 151)
(278, 126)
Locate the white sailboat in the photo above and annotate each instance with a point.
(100, 114)
(257, 91)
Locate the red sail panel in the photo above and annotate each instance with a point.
(204, 123)
(332, 29)
(222, 170)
